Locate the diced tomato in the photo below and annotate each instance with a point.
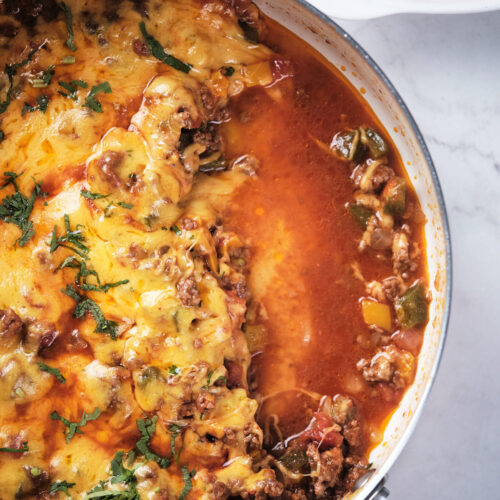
(320, 431)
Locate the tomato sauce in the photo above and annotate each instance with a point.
(294, 215)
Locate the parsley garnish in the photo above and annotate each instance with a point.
(158, 52)
(84, 273)
(43, 102)
(89, 287)
(46, 78)
(70, 42)
(147, 428)
(125, 205)
(112, 204)
(84, 305)
(11, 70)
(227, 70)
(53, 371)
(61, 486)
(73, 240)
(16, 208)
(176, 230)
(70, 261)
(23, 448)
(91, 102)
(120, 475)
(92, 196)
(209, 379)
(72, 87)
(174, 370)
(188, 484)
(74, 427)
(68, 60)
(174, 432)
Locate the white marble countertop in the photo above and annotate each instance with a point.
(447, 69)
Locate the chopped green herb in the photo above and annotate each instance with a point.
(46, 79)
(92, 196)
(84, 305)
(70, 42)
(160, 54)
(176, 230)
(73, 240)
(74, 427)
(61, 486)
(112, 204)
(2, 135)
(16, 208)
(68, 60)
(43, 102)
(72, 88)
(89, 287)
(188, 484)
(120, 475)
(48, 74)
(79, 83)
(27, 108)
(91, 102)
(24, 448)
(209, 379)
(11, 71)
(70, 261)
(174, 432)
(147, 428)
(125, 205)
(174, 370)
(53, 371)
(227, 70)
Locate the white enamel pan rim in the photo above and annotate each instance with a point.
(364, 9)
(379, 475)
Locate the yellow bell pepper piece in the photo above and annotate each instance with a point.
(377, 314)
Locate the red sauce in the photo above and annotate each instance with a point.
(313, 310)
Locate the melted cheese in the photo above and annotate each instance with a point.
(167, 352)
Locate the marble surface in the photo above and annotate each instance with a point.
(447, 69)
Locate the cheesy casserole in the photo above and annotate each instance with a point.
(126, 320)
